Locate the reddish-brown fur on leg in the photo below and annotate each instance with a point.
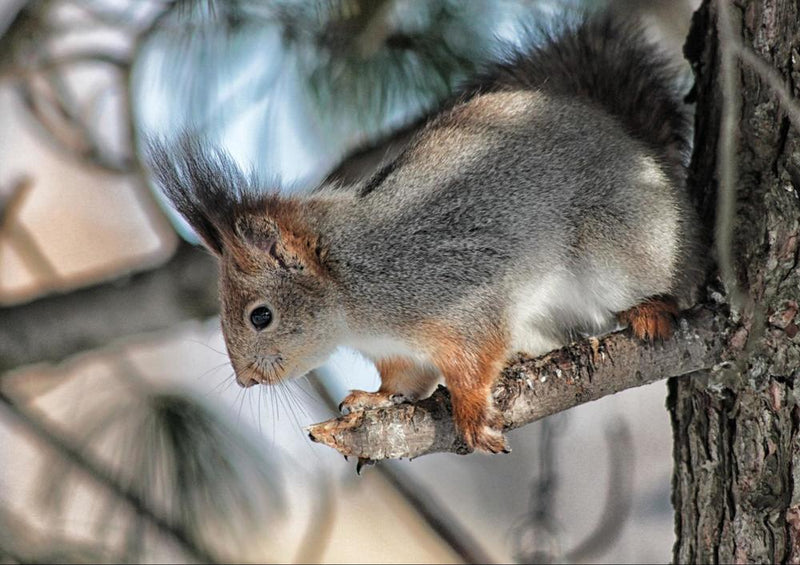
(403, 376)
(470, 372)
(391, 369)
(651, 320)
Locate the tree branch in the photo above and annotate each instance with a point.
(530, 389)
(56, 326)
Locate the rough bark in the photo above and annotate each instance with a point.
(530, 389)
(736, 482)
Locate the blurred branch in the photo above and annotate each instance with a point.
(364, 31)
(11, 203)
(530, 389)
(437, 514)
(536, 537)
(318, 533)
(727, 150)
(38, 53)
(54, 327)
(19, 236)
(60, 61)
(17, 32)
(619, 497)
(55, 106)
(47, 433)
(771, 77)
(20, 542)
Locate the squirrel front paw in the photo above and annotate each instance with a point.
(360, 400)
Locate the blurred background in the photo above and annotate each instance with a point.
(123, 436)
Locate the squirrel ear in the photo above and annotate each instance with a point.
(264, 236)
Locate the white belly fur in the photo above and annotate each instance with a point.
(380, 346)
(543, 312)
(540, 317)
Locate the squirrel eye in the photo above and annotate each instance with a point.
(261, 317)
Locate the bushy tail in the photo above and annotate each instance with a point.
(609, 61)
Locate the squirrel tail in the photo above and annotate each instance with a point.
(609, 61)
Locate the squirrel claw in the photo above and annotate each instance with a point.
(363, 462)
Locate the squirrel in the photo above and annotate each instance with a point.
(547, 201)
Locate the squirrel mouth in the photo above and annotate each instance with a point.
(267, 369)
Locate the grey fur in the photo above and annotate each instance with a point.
(504, 189)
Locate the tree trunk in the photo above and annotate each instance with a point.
(736, 482)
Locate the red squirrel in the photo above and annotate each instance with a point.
(546, 202)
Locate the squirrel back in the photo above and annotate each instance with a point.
(609, 61)
(604, 59)
(605, 62)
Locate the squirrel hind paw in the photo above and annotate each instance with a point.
(486, 438)
(651, 320)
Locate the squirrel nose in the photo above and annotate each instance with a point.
(245, 381)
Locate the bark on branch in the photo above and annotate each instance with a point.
(530, 389)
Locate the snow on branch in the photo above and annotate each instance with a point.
(531, 389)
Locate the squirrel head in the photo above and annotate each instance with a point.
(281, 313)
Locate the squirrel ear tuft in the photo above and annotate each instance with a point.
(203, 184)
